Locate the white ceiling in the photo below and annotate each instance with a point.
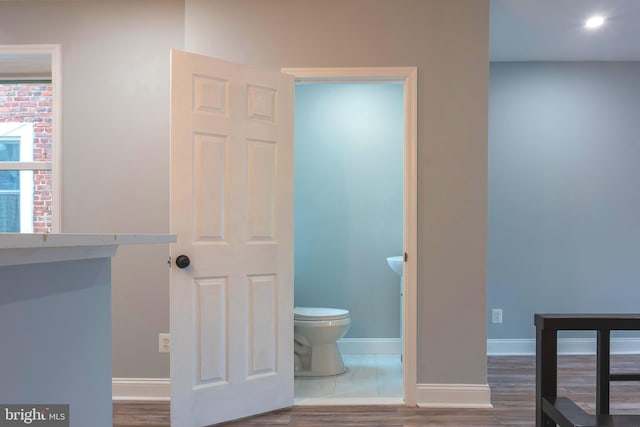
(553, 30)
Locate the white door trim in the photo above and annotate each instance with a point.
(56, 137)
(408, 76)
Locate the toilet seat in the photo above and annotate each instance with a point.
(319, 313)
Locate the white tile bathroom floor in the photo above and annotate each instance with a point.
(374, 378)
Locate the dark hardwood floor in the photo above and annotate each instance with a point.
(512, 381)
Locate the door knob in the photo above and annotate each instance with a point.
(183, 261)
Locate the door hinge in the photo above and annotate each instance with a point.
(405, 257)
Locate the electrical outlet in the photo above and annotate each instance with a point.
(496, 315)
(164, 343)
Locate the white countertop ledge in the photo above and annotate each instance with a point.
(20, 249)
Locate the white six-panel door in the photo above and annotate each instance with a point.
(232, 212)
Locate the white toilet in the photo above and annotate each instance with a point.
(316, 331)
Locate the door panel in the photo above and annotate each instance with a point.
(262, 190)
(210, 187)
(232, 212)
(210, 327)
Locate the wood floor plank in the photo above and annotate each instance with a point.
(512, 381)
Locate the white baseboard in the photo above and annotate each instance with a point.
(141, 389)
(370, 346)
(453, 396)
(427, 395)
(566, 346)
(150, 389)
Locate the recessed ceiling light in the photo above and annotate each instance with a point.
(595, 21)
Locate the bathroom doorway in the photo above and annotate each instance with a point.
(355, 155)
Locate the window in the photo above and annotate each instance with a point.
(29, 130)
(9, 187)
(16, 180)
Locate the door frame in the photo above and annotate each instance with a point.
(409, 77)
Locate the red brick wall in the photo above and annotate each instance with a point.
(32, 102)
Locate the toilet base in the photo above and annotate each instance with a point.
(324, 360)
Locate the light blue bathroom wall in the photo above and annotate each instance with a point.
(349, 169)
(564, 191)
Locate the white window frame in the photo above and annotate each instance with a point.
(55, 166)
(23, 132)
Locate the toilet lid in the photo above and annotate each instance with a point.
(319, 313)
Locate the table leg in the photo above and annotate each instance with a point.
(603, 371)
(546, 372)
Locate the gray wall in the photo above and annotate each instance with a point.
(448, 41)
(564, 199)
(349, 173)
(116, 136)
(115, 125)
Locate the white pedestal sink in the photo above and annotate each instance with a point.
(396, 262)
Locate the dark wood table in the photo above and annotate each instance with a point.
(551, 409)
